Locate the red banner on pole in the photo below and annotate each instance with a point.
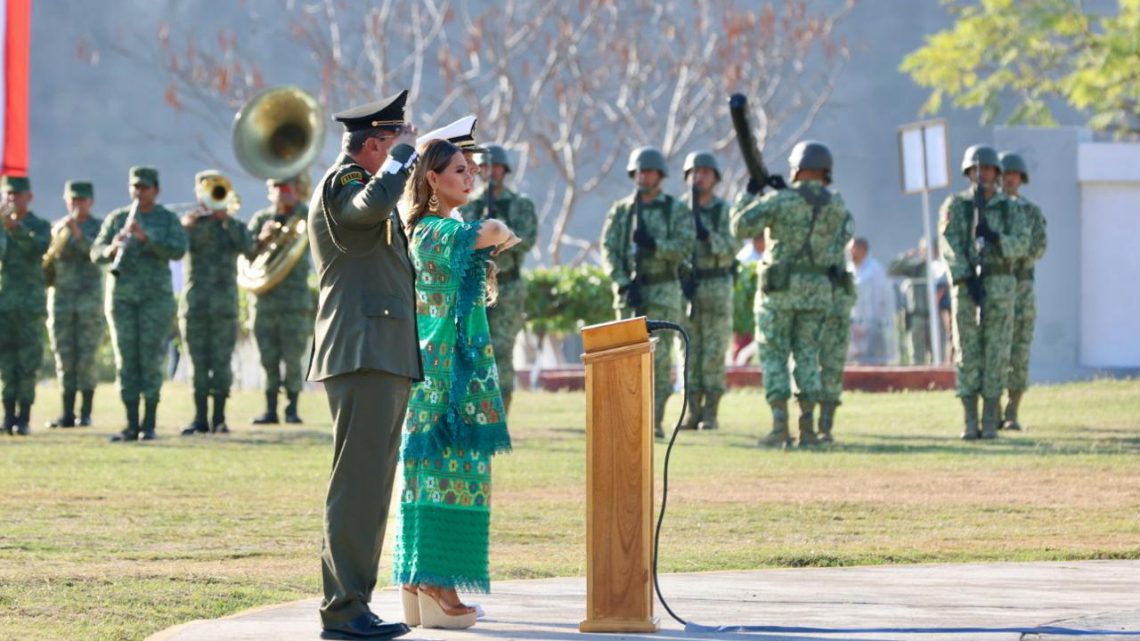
(17, 54)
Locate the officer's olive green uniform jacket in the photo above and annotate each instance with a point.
(367, 314)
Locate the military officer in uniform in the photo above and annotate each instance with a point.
(804, 223)
(983, 235)
(709, 291)
(283, 315)
(516, 210)
(208, 310)
(646, 239)
(139, 241)
(75, 303)
(1014, 174)
(23, 304)
(366, 351)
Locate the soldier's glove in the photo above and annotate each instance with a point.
(985, 231)
(776, 181)
(644, 239)
(702, 232)
(976, 289)
(754, 186)
(632, 295)
(689, 288)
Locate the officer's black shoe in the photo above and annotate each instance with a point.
(88, 396)
(366, 626)
(270, 415)
(218, 420)
(23, 419)
(291, 409)
(126, 436)
(196, 427)
(62, 421)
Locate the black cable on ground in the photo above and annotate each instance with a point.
(655, 326)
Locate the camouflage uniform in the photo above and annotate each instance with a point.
(669, 222)
(508, 314)
(23, 304)
(140, 305)
(75, 319)
(795, 294)
(982, 334)
(835, 337)
(1024, 311)
(710, 316)
(208, 312)
(282, 322)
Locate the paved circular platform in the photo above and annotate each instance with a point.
(1088, 594)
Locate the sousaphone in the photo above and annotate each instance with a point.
(277, 135)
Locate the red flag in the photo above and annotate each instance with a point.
(17, 24)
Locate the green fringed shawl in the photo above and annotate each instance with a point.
(455, 420)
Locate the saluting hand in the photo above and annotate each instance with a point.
(406, 135)
(511, 241)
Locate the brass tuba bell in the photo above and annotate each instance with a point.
(276, 136)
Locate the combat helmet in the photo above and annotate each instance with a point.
(701, 159)
(980, 156)
(1014, 162)
(647, 158)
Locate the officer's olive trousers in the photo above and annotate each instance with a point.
(367, 409)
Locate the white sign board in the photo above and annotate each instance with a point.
(923, 156)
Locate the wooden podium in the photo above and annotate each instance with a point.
(619, 477)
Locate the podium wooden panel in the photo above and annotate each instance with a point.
(619, 477)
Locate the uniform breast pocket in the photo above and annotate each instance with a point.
(385, 306)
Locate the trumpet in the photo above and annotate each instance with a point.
(59, 237)
(215, 192)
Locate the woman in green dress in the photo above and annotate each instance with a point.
(455, 421)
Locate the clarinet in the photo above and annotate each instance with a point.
(126, 241)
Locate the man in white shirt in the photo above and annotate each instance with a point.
(873, 340)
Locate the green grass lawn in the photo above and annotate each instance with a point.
(102, 541)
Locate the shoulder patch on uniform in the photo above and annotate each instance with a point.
(352, 176)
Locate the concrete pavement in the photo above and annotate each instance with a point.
(1086, 594)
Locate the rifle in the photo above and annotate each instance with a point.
(489, 206)
(974, 283)
(690, 284)
(633, 290)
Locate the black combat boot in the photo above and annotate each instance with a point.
(1011, 407)
(807, 424)
(989, 418)
(199, 425)
(88, 396)
(708, 413)
(218, 420)
(149, 420)
(827, 420)
(692, 418)
(270, 415)
(67, 419)
(291, 408)
(778, 437)
(131, 431)
(970, 404)
(9, 415)
(23, 419)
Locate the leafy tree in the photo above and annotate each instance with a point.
(1030, 53)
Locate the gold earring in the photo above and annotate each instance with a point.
(433, 203)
